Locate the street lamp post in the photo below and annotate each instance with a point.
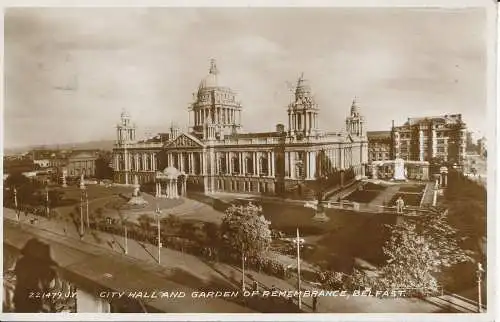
(126, 239)
(81, 215)
(243, 259)
(87, 206)
(15, 203)
(47, 201)
(479, 273)
(158, 213)
(298, 242)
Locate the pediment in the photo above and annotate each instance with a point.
(184, 141)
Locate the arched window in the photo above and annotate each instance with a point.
(141, 165)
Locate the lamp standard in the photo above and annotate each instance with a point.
(479, 273)
(82, 188)
(16, 205)
(47, 210)
(125, 236)
(298, 242)
(243, 259)
(158, 214)
(87, 206)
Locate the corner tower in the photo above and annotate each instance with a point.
(303, 111)
(355, 121)
(125, 130)
(216, 102)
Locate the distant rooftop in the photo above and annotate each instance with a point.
(444, 119)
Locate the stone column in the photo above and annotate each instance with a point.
(240, 158)
(273, 161)
(254, 159)
(292, 164)
(258, 163)
(126, 161)
(175, 190)
(244, 165)
(269, 164)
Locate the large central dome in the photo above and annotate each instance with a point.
(212, 80)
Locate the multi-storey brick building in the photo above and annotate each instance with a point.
(431, 138)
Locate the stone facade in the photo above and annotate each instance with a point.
(217, 156)
(379, 145)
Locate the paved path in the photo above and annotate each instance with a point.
(384, 197)
(428, 194)
(188, 269)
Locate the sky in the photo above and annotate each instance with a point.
(69, 72)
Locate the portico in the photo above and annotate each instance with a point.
(167, 183)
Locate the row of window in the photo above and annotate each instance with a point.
(245, 186)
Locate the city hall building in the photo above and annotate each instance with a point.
(215, 155)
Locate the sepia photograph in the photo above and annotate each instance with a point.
(293, 160)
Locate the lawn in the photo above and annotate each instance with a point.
(409, 199)
(414, 188)
(373, 186)
(348, 235)
(363, 196)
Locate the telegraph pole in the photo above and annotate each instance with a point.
(158, 213)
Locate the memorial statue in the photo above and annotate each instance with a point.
(137, 199)
(399, 170)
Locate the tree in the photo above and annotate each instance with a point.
(102, 168)
(245, 230)
(418, 250)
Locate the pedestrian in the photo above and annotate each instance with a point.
(315, 303)
(256, 285)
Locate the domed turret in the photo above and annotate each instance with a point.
(354, 108)
(355, 121)
(303, 89)
(215, 103)
(303, 112)
(212, 80)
